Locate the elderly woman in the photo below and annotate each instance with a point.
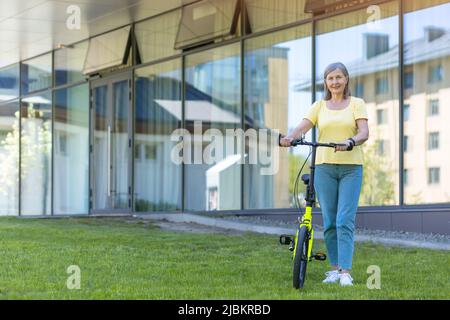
(339, 118)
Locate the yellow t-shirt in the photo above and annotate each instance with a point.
(336, 126)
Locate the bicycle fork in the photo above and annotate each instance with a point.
(306, 221)
(293, 241)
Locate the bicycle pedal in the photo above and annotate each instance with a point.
(320, 256)
(286, 239)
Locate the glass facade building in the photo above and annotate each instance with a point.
(177, 112)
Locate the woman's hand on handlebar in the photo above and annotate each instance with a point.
(286, 141)
(342, 146)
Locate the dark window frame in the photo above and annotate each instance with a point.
(433, 140)
(434, 175)
(406, 111)
(382, 116)
(433, 107)
(435, 74)
(381, 85)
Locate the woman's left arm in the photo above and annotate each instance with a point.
(363, 132)
(361, 136)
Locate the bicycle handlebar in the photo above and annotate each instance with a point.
(302, 142)
(298, 142)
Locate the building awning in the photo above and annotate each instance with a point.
(108, 50)
(207, 20)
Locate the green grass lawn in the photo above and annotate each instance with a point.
(120, 260)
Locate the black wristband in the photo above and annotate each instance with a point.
(353, 142)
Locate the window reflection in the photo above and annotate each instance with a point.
(69, 63)
(9, 83)
(427, 57)
(213, 106)
(71, 153)
(36, 74)
(9, 158)
(265, 14)
(35, 157)
(206, 21)
(370, 52)
(110, 50)
(277, 96)
(156, 37)
(157, 179)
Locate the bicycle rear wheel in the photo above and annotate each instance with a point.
(301, 258)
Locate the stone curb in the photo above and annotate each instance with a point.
(246, 227)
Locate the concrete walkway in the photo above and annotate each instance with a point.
(246, 227)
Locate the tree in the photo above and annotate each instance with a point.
(378, 178)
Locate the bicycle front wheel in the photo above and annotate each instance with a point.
(301, 257)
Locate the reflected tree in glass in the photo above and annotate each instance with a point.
(36, 144)
(9, 161)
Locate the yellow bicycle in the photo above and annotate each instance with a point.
(302, 243)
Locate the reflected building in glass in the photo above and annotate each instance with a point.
(424, 129)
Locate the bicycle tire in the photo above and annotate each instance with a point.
(301, 258)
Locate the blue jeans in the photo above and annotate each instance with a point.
(338, 187)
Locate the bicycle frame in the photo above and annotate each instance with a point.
(306, 219)
(305, 233)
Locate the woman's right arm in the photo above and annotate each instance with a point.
(304, 126)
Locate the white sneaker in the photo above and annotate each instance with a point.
(345, 279)
(332, 276)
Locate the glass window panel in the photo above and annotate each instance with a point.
(36, 74)
(426, 54)
(433, 140)
(382, 86)
(108, 50)
(434, 175)
(213, 91)
(409, 79)
(369, 51)
(156, 37)
(410, 6)
(69, 63)
(277, 95)
(359, 89)
(157, 177)
(266, 14)
(71, 151)
(405, 143)
(381, 117)
(433, 109)
(9, 83)
(36, 145)
(207, 20)
(360, 19)
(406, 111)
(435, 73)
(406, 176)
(9, 158)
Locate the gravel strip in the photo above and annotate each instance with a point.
(402, 235)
